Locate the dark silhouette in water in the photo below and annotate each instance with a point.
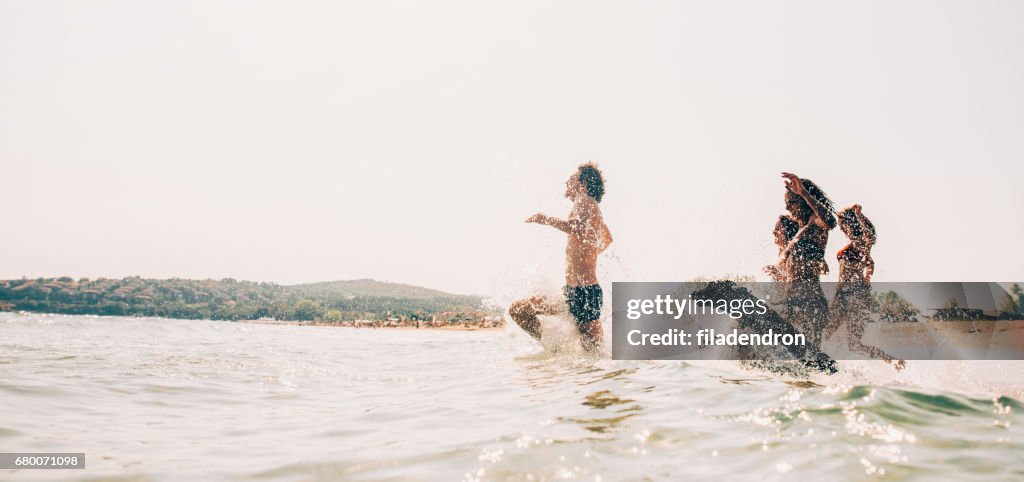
(810, 355)
(803, 259)
(852, 303)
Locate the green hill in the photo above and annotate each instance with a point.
(228, 299)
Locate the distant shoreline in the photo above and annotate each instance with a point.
(474, 325)
(385, 325)
(346, 302)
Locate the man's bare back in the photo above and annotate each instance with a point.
(588, 236)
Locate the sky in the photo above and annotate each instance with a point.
(407, 141)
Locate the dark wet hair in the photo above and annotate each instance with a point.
(788, 226)
(591, 177)
(815, 192)
(848, 220)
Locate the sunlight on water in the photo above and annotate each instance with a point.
(180, 400)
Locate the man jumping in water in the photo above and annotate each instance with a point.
(588, 237)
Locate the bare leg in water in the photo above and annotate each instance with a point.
(591, 334)
(525, 311)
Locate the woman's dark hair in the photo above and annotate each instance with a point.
(815, 192)
(787, 226)
(590, 176)
(865, 232)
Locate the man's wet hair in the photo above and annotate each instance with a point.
(591, 177)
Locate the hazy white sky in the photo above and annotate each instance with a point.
(407, 141)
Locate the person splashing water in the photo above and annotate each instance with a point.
(804, 257)
(852, 302)
(588, 236)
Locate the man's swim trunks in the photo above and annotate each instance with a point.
(584, 302)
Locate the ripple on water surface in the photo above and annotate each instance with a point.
(151, 399)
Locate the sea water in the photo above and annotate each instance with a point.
(159, 399)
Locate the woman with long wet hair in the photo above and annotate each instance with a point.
(784, 232)
(803, 259)
(852, 303)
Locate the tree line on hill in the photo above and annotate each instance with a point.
(228, 299)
